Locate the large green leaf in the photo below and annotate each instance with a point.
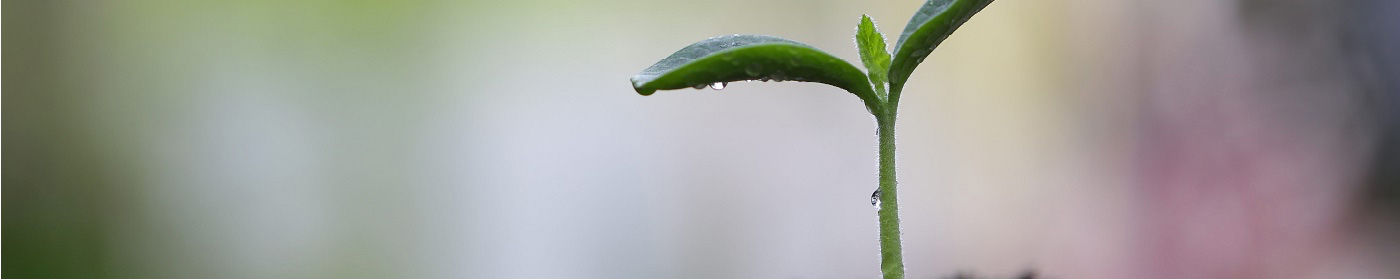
(752, 57)
(929, 26)
(872, 53)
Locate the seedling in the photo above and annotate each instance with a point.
(716, 61)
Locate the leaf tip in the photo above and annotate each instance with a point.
(637, 84)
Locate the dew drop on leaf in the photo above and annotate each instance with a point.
(718, 85)
(699, 86)
(754, 69)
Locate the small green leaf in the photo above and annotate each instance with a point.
(929, 26)
(752, 57)
(872, 53)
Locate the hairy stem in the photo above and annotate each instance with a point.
(891, 251)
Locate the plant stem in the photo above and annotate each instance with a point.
(891, 251)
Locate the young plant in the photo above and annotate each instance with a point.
(716, 61)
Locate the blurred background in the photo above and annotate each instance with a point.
(502, 139)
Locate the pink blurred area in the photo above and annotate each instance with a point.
(1254, 143)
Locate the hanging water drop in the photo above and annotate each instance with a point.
(875, 199)
(718, 85)
(699, 86)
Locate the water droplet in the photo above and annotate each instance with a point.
(718, 85)
(875, 199)
(778, 76)
(754, 69)
(699, 86)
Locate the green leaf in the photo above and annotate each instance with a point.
(929, 26)
(872, 53)
(752, 57)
